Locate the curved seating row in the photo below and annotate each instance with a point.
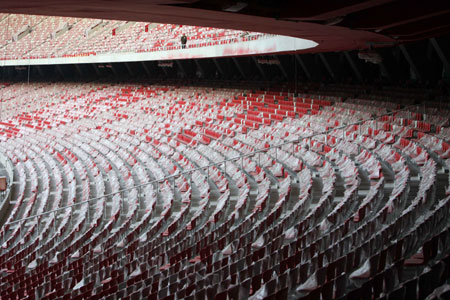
(304, 205)
(36, 37)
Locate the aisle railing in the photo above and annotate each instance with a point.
(187, 173)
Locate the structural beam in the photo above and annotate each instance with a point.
(421, 10)
(420, 26)
(129, 69)
(145, 68)
(79, 71)
(97, 71)
(238, 67)
(430, 50)
(411, 63)
(280, 66)
(41, 73)
(163, 69)
(327, 65)
(328, 9)
(260, 69)
(302, 64)
(114, 70)
(218, 67)
(199, 66)
(383, 70)
(59, 70)
(353, 65)
(180, 66)
(441, 55)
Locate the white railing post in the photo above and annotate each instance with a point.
(54, 222)
(139, 198)
(105, 203)
(174, 185)
(21, 229)
(37, 228)
(89, 211)
(122, 204)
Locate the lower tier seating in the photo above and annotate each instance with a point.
(163, 192)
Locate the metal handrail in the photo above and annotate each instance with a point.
(258, 36)
(202, 168)
(8, 165)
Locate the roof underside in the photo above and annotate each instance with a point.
(335, 25)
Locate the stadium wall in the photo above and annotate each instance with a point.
(271, 44)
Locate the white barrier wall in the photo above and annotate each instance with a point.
(269, 44)
(6, 196)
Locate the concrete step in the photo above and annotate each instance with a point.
(363, 193)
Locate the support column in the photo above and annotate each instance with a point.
(302, 64)
(199, 66)
(260, 69)
(218, 67)
(181, 68)
(280, 66)
(114, 70)
(127, 65)
(97, 71)
(353, 65)
(327, 66)
(239, 67)
(41, 73)
(411, 63)
(59, 70)
(77, 67)
(145, 68)
(441, 55)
